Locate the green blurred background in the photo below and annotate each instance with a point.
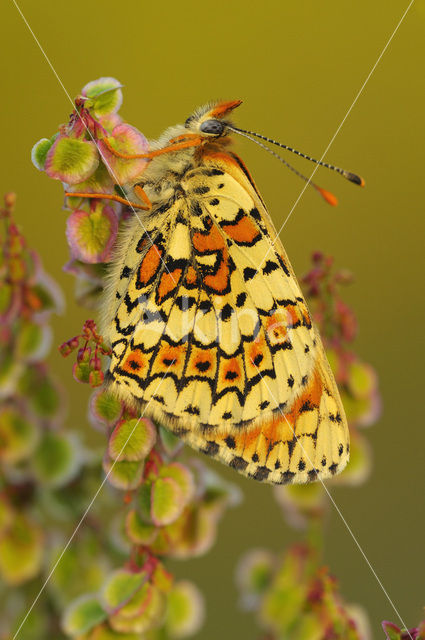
(297, 66)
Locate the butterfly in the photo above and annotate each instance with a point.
(210, 332)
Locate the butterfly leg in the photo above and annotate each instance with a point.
(107, 196)
(179, 143)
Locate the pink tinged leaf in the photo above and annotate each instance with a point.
(91, 235)
(132, 440)
(392, 632)
(71, 160)
(123, 475)
(105, 96)
(96, 378)
(121, 586)
(152, 605)
(105, 407)
(125, 139)
(110, 121)
(81, 372)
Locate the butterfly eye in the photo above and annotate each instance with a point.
(214, 127)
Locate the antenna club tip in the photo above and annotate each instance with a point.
(353, 177)
(328, 196)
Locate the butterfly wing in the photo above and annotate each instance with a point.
(211, 334)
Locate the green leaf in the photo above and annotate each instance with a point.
(105, 94)
(39, 153)
(71, 160)
(55, 461)
(18, 436)
(391, 630)
(106, 407)
(124, 475)
(21, 551)
(31, 340)
(362, 379)
(120, 587)
(186, 611)
(170, 442)
(40, 390)
(255, 571)
(91, 234)
(46, 298)
(150, 616)
(138, 531)
(144, 501)
(182, 476)
(83, 614)
(167, 501)
(45, 399)
(81, 372)
(132, 440)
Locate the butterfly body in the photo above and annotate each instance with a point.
(210, 332)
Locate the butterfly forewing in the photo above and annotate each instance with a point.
(211, 333)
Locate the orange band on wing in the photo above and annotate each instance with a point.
(150, 264)
(243, 231)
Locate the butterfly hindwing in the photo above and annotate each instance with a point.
(212, 334)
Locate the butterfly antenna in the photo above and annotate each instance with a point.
(352, 177)
(326, 195)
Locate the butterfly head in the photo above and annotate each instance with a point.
(210, 121)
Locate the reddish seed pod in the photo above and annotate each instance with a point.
(95, 363)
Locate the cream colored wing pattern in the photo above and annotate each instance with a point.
(211, 334)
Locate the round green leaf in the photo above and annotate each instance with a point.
(34, 341)
(41, 391)
(132, 440)
(56, 459)
(21, 551)
(82, 615)
(150, 616)
(105, 407)
(71, 160)
(255, 571)
(91, 234)
(18, 436)
(362, 379)
(138, 531)
(167, 501)
(123, 474)
(185, 611)
(120, 587)
(182, 476)
(105, 96)
(39, 153)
